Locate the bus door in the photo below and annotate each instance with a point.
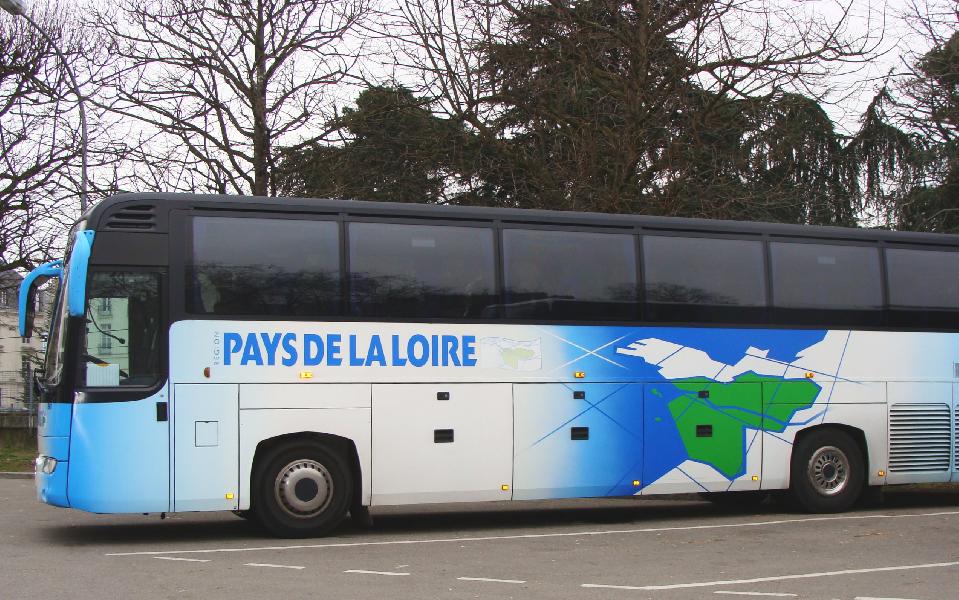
(119, 436)
(205, 447)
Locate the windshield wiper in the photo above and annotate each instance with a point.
(90, 319)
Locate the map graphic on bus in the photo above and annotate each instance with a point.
(503, 353)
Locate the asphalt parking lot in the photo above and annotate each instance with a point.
(622, 548)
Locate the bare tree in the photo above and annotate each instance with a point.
(39, 132)
(215, 85)
(439, 47)
(929, 88)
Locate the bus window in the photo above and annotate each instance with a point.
(255, 267)
(716, 272)
(571, 275)
(122, 341)
(922, 278)
(825, 276)
(424, 271)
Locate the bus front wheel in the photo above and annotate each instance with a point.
(827, 472)
(302, 490)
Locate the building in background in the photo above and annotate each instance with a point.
(107, 332)
(20, 356)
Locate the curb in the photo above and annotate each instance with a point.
(15, 475)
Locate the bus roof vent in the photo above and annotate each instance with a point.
(140, 216)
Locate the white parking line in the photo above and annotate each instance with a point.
(530, 536)
(183, 559)
(362, 572)
(273, 566)
(776, 594)
(487, 579)
(699, 584)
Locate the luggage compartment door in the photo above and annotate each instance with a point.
(442, 443)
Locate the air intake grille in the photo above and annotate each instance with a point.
(920, 437)
(141, 217)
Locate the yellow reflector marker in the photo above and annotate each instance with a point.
(306, 374)
(882, 473)
(579, 375)
(504, 487)
(755, 477)
(636, 483)
(809, 375)
(229, 496)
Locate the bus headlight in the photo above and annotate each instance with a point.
(46, 464)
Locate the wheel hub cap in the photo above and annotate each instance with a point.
(828, 470)
(303, 488)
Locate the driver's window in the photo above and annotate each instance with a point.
(122, 330)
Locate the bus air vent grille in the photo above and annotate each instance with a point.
(140, 216)
(920, 437)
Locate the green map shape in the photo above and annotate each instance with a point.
(511, 357)
(749, 401)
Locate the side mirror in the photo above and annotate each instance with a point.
(28, 287)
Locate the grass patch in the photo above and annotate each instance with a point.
(17, 459)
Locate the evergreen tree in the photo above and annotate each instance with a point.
(604, 105)
(394, 150)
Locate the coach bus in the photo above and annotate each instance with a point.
(296, 360)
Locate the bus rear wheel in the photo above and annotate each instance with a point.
(302, 490)
(827, 472)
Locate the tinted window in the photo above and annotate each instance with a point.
(569, 275)
(825, 276)
(421, 271)
(923, 279)
(264, 267)
(682, 270)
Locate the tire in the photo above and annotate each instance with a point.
(302, 489)
(742, 499)
(827, 472)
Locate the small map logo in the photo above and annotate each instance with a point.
(515, 355)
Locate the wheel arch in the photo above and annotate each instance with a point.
(858, 435)
(342, 445)
(346, 430)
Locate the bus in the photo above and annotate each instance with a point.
(300, 360)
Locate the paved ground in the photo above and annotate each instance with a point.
(590, 549)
